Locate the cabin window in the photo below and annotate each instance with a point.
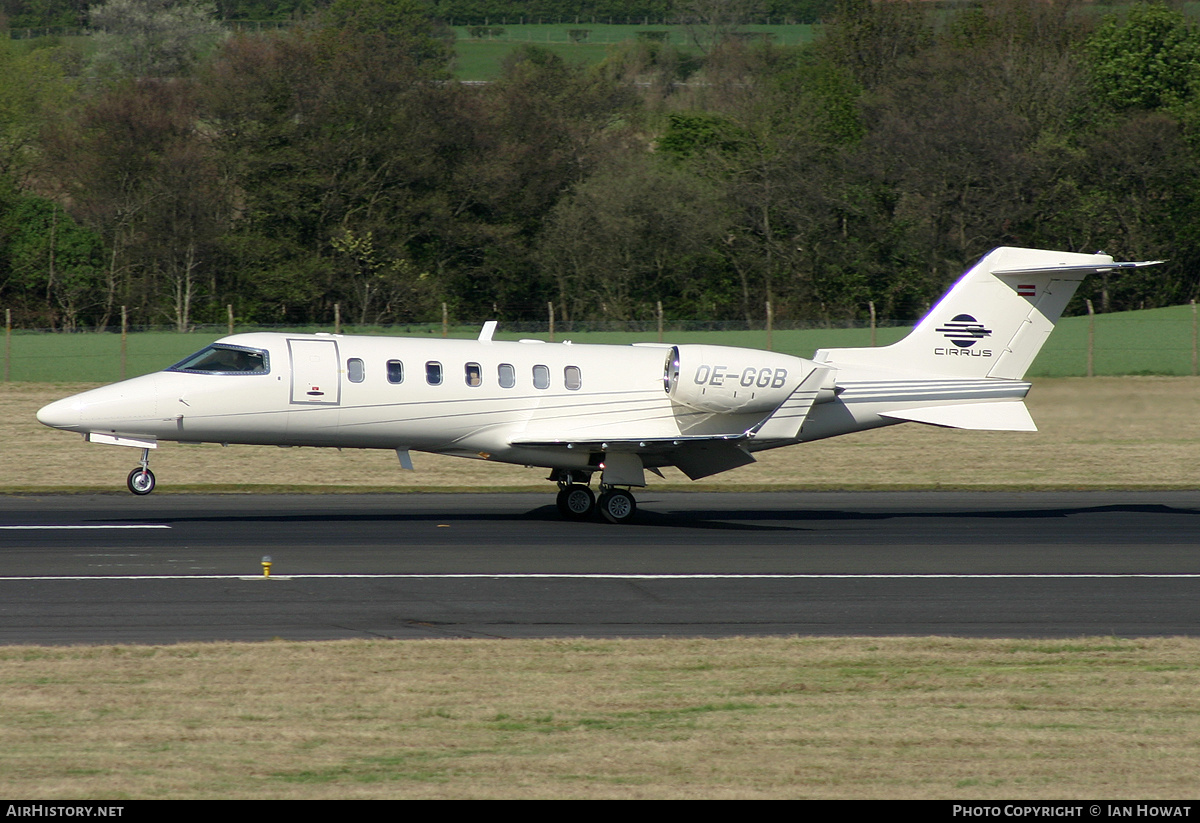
(225, 359)
(474, 375)
(507, 375)
(355, 370)
(541, 377)
(572, 378)
(433, 373)
(395, 371)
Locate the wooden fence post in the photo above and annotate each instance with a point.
(1091, 338)
(1193, 302)
(124, 338)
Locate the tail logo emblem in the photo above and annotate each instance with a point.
(965, 331)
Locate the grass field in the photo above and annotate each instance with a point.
(738, 718)
(1150, 342)
(478, 58)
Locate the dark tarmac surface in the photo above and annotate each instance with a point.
(170, 568)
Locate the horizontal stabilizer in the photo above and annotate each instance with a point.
(1008, 417)
(1084, 270)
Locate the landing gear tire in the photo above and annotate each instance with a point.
(576, 502)
(617, 506)
(141, 481)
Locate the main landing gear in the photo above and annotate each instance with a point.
(577, 502)
(141, 479)
(617, 505)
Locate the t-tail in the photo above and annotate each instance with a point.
(962, 364)
(994, 320)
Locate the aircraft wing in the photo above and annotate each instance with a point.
(695, 455)
(703, 455)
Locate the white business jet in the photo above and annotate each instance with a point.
(584, 411)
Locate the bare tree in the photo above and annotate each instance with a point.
(152, 38)
(711, 24)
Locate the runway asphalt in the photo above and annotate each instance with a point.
(170, 568)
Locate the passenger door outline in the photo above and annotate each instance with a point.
(315, 376)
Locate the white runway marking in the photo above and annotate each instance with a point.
(552, 576)
(47, 526)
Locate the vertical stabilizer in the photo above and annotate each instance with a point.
(992, 322)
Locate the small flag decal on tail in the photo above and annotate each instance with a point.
(1027, 291)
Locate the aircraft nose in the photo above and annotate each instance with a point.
(61, 414)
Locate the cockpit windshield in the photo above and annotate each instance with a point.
(221, 358)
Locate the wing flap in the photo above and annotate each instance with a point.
(629, 444)
(696, 456)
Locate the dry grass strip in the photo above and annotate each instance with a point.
(736, 718)
(1112, 432)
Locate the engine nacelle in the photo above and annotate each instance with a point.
(724, 379)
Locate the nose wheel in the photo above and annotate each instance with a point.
(141, 479)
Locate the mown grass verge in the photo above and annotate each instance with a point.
(737, 718)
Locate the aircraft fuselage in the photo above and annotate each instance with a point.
(462, 397)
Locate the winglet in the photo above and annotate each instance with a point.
(489, 328)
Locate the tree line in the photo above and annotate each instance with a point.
(174, 169)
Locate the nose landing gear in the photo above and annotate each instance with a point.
(141, 479)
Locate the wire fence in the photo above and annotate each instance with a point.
(36, 32)
(554, 31)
